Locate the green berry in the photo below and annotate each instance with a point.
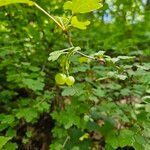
(86, 118)
(60, 78)
(70, 80)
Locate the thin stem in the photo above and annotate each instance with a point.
(69, 38)
(40, 8)
(59, 24)
(66, 49)
(66, 140)
(90, 57)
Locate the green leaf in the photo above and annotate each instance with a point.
(147, 146)
(121, 77)
(99, 92)
(112, 140)
(76, 49)
(68, 118)
(146, 99)
(55, 146)
(108, 147)
(78, 24)
(147, 108)
(82, 6)
(126, 138)
(35, 85)
(42, 107)
(3, 127)
(8, 119)
(68, 91)
(11, 132)
(28, 113)
(3, 141)
(55, 55)
(10, 146)
(75, 148)
(139, 142)
(7, 2)
(59, 132)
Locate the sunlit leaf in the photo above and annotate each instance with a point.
(7, 2)
(78, 24)
(3, 141)
(82, 6)
(55, 55)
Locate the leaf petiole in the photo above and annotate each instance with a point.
(50, 16)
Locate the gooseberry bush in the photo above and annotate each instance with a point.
(71, 80)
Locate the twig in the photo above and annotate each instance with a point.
(66, 140)
(69, 38)
(90, 57)
(59, 24)
(40, 8)
(63, 29)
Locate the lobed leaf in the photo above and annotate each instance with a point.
(84, 6)
(3, 141)
(7, 2)
(55, 55)
(78, 24)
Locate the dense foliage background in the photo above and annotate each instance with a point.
(108, 107)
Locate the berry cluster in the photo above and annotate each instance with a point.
(62, 79)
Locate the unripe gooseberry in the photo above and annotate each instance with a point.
(60, 78)
(70, 80)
